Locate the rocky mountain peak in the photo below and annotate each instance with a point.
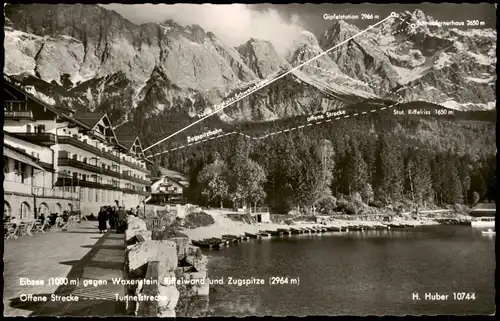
(340, 31)
(101, 61)
(261, 57)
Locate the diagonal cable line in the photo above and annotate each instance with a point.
(393, 15)
(328, 120)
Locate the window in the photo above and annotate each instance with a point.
(28, 128)
(5, 165)
(90, 195)
(18, 172)
(41, 128)
(25, 210)
(97, 196)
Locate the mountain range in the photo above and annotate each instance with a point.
(86, 57)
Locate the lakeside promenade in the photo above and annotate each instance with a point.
(78, 253)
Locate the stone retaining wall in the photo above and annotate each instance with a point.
(165, 262)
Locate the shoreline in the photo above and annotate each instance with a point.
(223, 225)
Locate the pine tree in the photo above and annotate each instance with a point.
(390, 167)
(478, 183)
(356, 170)
(418, 176)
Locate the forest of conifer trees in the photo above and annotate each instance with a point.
(346, 168)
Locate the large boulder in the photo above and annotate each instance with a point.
(135, 223)
(198, 261)
(169, 295)
(165, 252)
(130, 235)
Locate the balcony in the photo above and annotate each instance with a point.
(133, 191)
(46, 166)
(89, 148)
(135, 179)
(18, 115)
(63, 161)
(46, 139)
(71, 181)
(17, 110)
(132, 165)
(54, 193)
(16, 187)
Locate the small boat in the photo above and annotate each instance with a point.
(264, 234)
(229, 236)
(393, 226)
(488, 232)
(485, 221)
(229, 239)
(208, 243)
(251, 235)
(295, 231)
(274, 233)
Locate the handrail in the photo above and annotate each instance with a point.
(130, 164)
(135, 179)
(86, 146)
(51, 192)
(66, 161)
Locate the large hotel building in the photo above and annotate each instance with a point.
(56, 160)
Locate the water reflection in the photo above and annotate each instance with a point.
(358, 272)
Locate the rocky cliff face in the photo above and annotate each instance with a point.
(261, 57)
(454, 67)
(88, 57)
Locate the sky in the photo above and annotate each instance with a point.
(237, 23)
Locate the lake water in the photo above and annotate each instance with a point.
(358, 273)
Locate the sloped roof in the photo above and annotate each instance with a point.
(17, 154)
(58, 110)
(178, 178)
(172, 174)
(89, 119)
(483, 209)
(126, 135)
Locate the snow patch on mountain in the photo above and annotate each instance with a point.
(443, 60)
(482, 59)
(452, 104)
(32, 90)
(407, 75)
(481, 80)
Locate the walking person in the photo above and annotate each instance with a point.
(122, 220)
(101, 218)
